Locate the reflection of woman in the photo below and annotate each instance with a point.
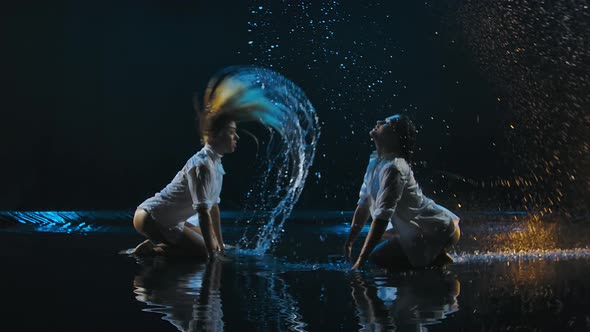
(420, 229)
(406, 303)
(186, 294)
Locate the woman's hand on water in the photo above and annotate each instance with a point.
(222, 258)
(357, 266)
(219, 256)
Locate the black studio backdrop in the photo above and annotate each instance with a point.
(97, 114)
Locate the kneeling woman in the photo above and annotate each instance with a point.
(171, 216)
(413, 230)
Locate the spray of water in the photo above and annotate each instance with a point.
(532, 53)
(536, 53)
(252, 93)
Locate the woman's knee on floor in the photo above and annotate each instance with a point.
(192, 242)
(386, 251)
(390, 255)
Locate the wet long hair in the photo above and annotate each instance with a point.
(228, 99)
(406, 131)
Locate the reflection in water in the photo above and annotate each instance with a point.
(531, 295)
(186, 293)
(272, 307)
(297, 289)
(267, 294)
(408, 301)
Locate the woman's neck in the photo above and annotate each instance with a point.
(381, 151)
(216, 148)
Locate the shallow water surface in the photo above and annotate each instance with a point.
(500, 281)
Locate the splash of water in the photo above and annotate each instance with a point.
(294, 130)
(354, 67)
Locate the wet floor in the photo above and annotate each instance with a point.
(507, 276)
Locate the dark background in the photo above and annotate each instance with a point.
(97, 114)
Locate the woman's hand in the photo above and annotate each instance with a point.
(222, 258)
(357, 266)
(219, 257)
(347, 249)
(221, 248)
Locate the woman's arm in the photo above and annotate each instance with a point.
(391, 187)
(378, 227)
(216, 221)
(361, 213)
(205, 224)
(199, 183)
(360, 217)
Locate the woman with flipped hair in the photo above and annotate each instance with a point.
(408, 229)
(183, 219)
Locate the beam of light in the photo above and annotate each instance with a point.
(69, 222)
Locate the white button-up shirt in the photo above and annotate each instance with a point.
(197, 184)
(391, 193)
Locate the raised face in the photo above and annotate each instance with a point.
(227, 139)
(383, 134)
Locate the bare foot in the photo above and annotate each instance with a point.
(160, 249)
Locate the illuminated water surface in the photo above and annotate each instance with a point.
(506, 275)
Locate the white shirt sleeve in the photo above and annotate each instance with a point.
(391, 187)
(200, 182)
(364, 192)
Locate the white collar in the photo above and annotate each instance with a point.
(387, 156)
(211, 153)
